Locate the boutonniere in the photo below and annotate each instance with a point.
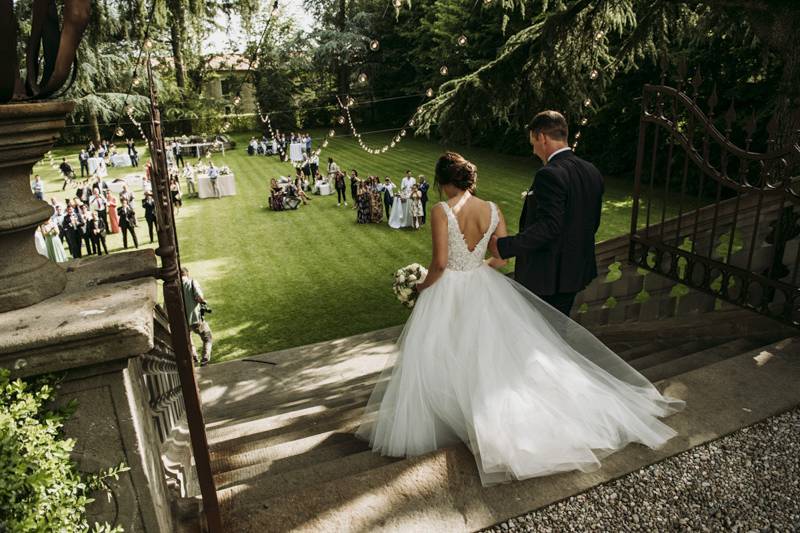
(525, 194)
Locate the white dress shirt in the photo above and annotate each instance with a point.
(558, 152)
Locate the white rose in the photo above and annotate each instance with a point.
(406, 293)
(401, 279)
(412, 277)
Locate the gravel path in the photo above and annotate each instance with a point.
(748, 481)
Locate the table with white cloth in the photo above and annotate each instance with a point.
(400, 215)
(197, 147)
(226, 183)
(296, 151)
(97, 166)
(121, 160)
(133, 181)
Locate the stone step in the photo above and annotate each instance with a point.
(285, 426)
(269, 451)
(642, 349)
(336, 447)
(246, 492)
(700, 359)
(662, 356)
(441, 491)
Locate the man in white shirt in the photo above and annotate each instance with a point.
(388, 195)
(99, 205)
(406, 184)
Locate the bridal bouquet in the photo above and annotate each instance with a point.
(404, 281)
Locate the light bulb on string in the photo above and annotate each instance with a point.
(584, 121)
(392, 144)
(119, 132)
(487, 2)
(148, 44)
(429, 93)
(577, 136)
(340, 120)
(462, 40)
(362, 78)
(397, 139)
(443, 70)
(599, 35)
(331, 133)
(587, 102)
(385, 149)
(398, 3)
(402, 133)
(351, 101)
(411, 123)
(594, 74)
(129, 110)
(135, 81)
(226, 126)
(375, 45)
(237, 100)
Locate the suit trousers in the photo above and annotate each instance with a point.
(562, 301)
(125, 230)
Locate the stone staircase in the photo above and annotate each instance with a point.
(280, 427)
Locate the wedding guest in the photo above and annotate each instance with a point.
(147, 185)
(333, 168)
(406, 183)
(127, 222)
(66, 172)
(188, 174)
(175, 193)
(149, 206)
(55, 251)
(177, 152)
(416, 207)
(375, 201)
(97, 231)
(38, 187)
(307, 141)
(113, 217)
(388, 195)
(276, 196)
(313, 164)
(83, 159)
(85, 234)
(213, 174)
(341, 188)
(305, 166)
(363, 214)
(354, 181)
(298, 190)
(99, 205)
(58, 220)
(126, 195)
(424, 186)
(72, 232)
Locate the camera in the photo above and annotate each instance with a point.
(205, 309)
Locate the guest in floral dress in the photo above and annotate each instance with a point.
(416, 207)
(113, 217)
(364, 214)
(375, 201)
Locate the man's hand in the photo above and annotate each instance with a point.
(493, 247)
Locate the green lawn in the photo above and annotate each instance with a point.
(282, 279)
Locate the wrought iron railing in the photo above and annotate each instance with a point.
(711, 215)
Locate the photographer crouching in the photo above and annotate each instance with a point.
(196, 309)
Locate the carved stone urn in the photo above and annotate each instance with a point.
(27, 132)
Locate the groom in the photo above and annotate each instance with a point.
(555, 244)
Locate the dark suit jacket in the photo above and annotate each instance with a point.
(126, 220)
(555, 244)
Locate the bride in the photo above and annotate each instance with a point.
(483, 361)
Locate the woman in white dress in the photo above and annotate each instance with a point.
(483, 361)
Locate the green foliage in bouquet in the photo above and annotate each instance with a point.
(41, 488)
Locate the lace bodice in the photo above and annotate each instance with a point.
(459, 256)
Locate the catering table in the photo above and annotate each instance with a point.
(225, 182)
(296, 151)
(121, 160)
(97, 166)
(400, 215)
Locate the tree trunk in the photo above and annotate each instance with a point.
(95, 127)
(176, 38)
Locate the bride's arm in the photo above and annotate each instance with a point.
(439, 260)
(499, 232)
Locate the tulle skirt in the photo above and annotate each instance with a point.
(483, 361)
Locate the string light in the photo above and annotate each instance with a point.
(331, 133)
(584, 121)
(398, 4)
(487, 2)
(594, 74)
(119, 132)
(351, 101)
(462, 40)
(135, 123)
(237, 100)
(362, 78)
(148, 44)
(443, 70)
(340, 120)
(599, 35)
(135, 81)
(375, 45)
(587, 102)
(429, 92)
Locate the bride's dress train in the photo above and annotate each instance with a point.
(484, 361)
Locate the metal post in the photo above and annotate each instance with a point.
(176, 311)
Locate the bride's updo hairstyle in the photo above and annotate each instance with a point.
(454, 170)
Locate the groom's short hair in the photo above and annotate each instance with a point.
(551, 123)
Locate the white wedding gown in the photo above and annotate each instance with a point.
(483, 361)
